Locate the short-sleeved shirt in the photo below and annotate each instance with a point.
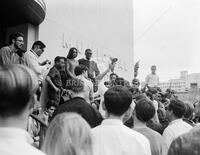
(154, 138)
(152, 80)
(7, 57)
(187, 144)
(92, 66)
(55, 76)
(114, 138)
(88, 88)
(175, 129)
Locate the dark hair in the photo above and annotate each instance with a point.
(117, 100)
(71, 52)
(87, 50)
(189, 109)
(51, 103)
(58, 58)
(149, 94)
(136, 81)
(80, 69)
(145, 110)
(14, 36)
(18, 84)
(76, 85)
(38, 43)
(113, 74)
(177, 107)
(139, 97)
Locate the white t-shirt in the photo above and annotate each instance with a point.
(88, 88)
(152, 80)
(175, 129)
(15, 141)
(114, 138)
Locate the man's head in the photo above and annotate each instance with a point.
(17, 40)
(175, 110)
(18, 86)
(189, 110)
(81, 70)
(88, 54)
(144, 110)
(73, 53)
(117, 100)
(135, 83)
(113, 77)
(59, 62)
(38, 47)
(51, 107)
(153, 69)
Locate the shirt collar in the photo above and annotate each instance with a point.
(34, 53)
(112, 122)
(15, 133)
(176, 121)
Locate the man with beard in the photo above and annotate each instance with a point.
(13, 54)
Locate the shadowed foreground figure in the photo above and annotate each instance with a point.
(18, 86)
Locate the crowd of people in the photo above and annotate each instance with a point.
(84, 115)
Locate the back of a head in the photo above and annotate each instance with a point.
(117, 100)
(18, 84)
(177, 107)
(68, 133)
(80, 69)
(38, 43)
(189, 110)
(145, 110)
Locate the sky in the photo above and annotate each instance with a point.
(167, 34)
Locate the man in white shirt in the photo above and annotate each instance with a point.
(32, 56)
(81, 73)
(17, 95)
(152, 80)
(177, 127)
(112, 137)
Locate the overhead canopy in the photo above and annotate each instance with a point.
(14, 12)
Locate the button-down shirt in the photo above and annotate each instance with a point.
(31, 59)
(114, 138)
(15, 141)
(175, 129)
(92, 66)
(152, 80)
(7, 57)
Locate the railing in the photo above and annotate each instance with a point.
(43, 128)
(41, 3)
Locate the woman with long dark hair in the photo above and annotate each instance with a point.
(71, 62)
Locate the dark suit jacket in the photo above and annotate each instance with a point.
(80, 106)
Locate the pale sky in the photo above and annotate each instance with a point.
(167, 34)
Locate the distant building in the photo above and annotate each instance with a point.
(183, 84)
